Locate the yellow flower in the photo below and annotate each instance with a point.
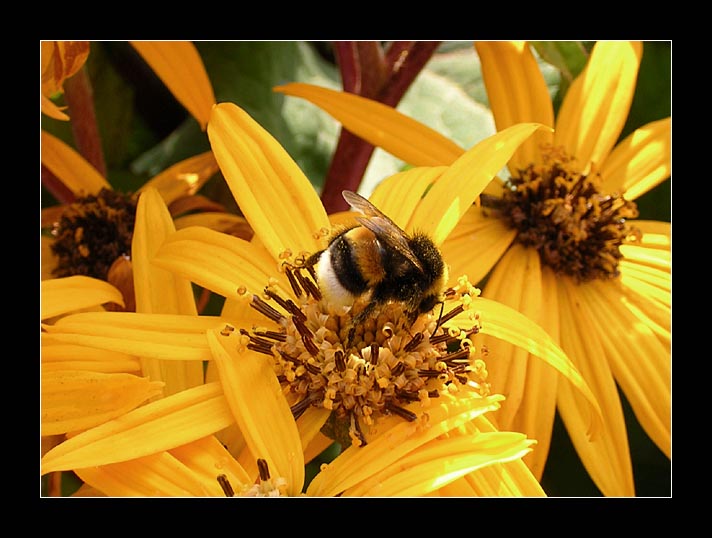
(440, 445)
(560, 243)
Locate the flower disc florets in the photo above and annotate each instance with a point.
(576, 228)
(365, 370)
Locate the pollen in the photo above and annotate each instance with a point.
(386, 365)
(92, 233)
(575, 227)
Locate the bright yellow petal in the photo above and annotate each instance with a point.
(441, 461)
(641, 365)
(607, 457)
(183, 178)
(641, 161)
(275, 196)
(259, 407)
(596, 106)
(70, 167)
(68, 294)
(76, 400)
(476, 244)
(398, 195)
(179, 66)
(517, 93)
(458, 187)
(227, 265)
(381, 125)
(158, 336)
(161, 425)
(358, 463)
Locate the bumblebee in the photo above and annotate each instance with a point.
(376, 262)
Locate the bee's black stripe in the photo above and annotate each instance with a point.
(346, 268)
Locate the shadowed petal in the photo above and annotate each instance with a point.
(183, 178)
(179, 66)
(70, 167)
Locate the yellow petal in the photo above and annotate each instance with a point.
(259, 407)
(188, 470)
(596, 106)
(159, 291)
(458, 187)
(70, 167)
(641, 161)
(398, 195)
(219, 221)
(227, 265)
(68, 294)
(179, 66)
(517, 93)
(441, 461)
(358, 463)
(507, 324)
(183, 178)
(161, 425)
(607, 457)
(476, 244)
(56, 356)
(641, 365)
(275, 196)
(381, 125)
(77, 400)
(159, 336)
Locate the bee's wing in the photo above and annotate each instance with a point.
(385, 229)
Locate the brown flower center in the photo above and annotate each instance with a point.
(362, 372)
(92, 233)
(561, 212)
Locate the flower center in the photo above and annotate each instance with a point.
(576, 229)
(92, 233)
(361, 370)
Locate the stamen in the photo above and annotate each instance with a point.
(339, 360)
(374, 353)
(459, 309)
(401, 412)
(225, 485)
(414, 342)
(292, 281)
(266, 310)
(263, 469)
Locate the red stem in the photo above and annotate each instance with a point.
(80, 100)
